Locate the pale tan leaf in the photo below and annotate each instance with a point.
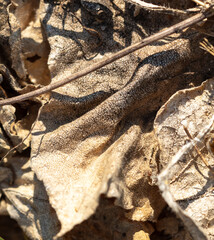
(192, 187)
(27, 202)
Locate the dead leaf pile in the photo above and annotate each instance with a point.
(89, 169)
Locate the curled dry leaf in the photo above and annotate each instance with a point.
(4, 29)
(7, 119)
(190, 180)
(17, 130)
(35, 51)
(91, 138)
(29, 49)
(28, 202)
(15, 41)
(108, 222)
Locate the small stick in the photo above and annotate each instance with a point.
(164, 186)
(175, 28)
(197, 150)
(200, 3)
(182, 171)
(207, 46)
(163, 9)
(31, 129)
(91, 31)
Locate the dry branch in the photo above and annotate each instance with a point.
(157, 36)
(163, 9)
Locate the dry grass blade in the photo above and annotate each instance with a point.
(207, 46)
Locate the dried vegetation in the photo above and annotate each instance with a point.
(107, 156)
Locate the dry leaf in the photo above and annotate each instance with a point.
(192, 188)
(95, 137)
(28, 202)
(17, 131)
(15, 41)
(84, 145)
(4, 30)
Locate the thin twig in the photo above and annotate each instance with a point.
(163, 176)
(163, 9)
(163, 184)
(200, 3)
(182, 171)
(196, 148)
(175, 28)
(207, 46)
(31, 129)
(91, 31)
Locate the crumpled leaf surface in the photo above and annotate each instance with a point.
(192, 188)
(28, 202)
(88, 140)
(94, 139)
(15, 41)
(16, 131)
(4, 29)
(7, 116)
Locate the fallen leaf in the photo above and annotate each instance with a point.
(190, 186)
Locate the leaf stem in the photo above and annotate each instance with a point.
(157, 36)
